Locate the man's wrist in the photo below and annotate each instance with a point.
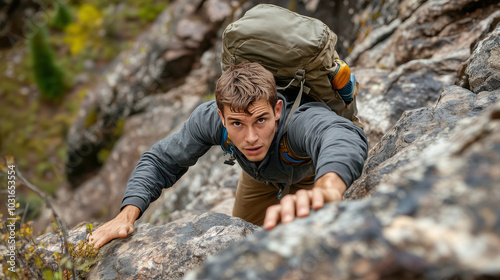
(331, 181)
(130, 213)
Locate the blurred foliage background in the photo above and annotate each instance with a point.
(45, 73)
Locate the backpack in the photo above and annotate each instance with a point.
(300, 52)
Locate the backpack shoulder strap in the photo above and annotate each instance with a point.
(226, 142)
(228, 147)
(300, 77)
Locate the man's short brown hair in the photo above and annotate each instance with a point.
(241, 85)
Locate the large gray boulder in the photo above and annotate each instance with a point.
(161, 252)
(169, 251)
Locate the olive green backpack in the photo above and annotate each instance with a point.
(298, 50)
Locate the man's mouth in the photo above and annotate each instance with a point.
(253, 150)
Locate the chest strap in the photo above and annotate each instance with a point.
(287, 155)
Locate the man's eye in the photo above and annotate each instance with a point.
(237, 124)
(261, 120)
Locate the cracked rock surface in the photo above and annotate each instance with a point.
(427, 203)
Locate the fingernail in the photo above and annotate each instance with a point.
(287, 219)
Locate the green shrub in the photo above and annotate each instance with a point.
(48, 76)
(24, 257)
(62, 17)
(148, 13)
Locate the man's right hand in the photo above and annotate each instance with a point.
(121, 226)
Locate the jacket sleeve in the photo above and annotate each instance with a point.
(170, 158)
(334, 143)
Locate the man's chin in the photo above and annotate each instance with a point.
(255, 157)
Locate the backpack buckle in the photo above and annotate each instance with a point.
(232, 157)
(300, 74)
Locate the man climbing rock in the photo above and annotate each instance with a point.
(290, 164)
(298, 148)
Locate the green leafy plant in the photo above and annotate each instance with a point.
(27, 258)
(62, 16)
(149, 11)
(48, 75)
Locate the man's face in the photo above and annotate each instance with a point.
(252, 134)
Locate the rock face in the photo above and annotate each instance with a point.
(426, 205)
(172, 249)
(410, 55)
(427, 126)
(385, 95)
(423, 30)
(414, 132)
(482, 68)
(430, 207)
(162, 252)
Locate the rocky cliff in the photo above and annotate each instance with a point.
(426, 205)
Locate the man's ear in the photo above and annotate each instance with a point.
(221, 117)
(278, 108)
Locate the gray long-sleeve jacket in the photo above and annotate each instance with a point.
(333, 143)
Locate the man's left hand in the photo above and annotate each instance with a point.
(328, 188)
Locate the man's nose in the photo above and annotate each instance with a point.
(251, 135)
